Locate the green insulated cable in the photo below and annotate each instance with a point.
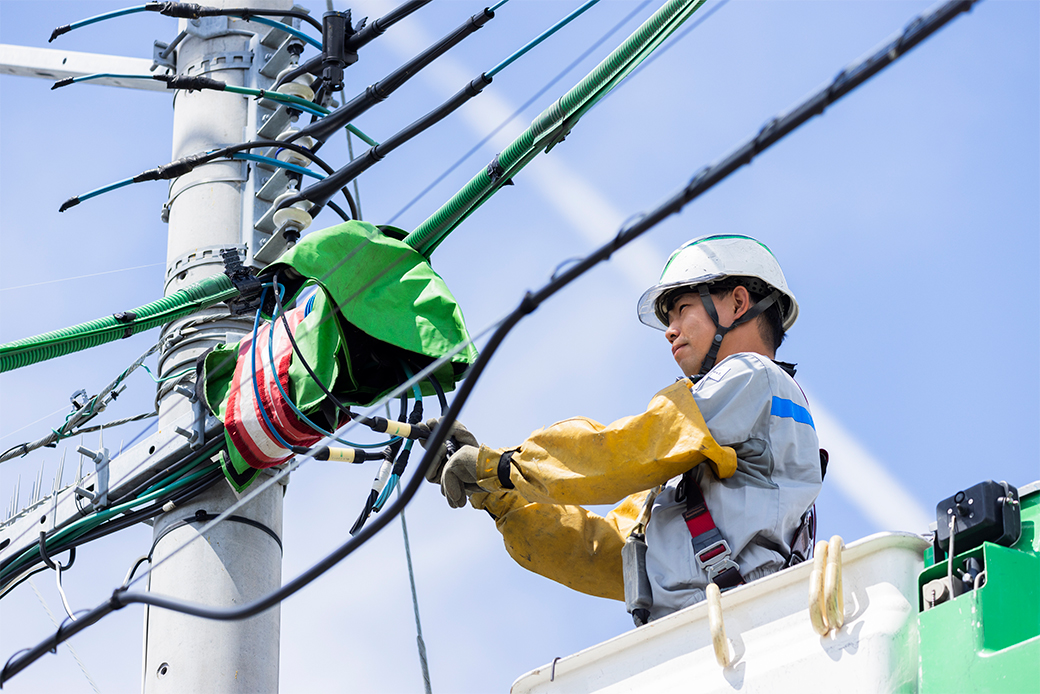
(183, 302)
(553, 124)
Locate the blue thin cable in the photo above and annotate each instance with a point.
(541, 37)
(246, 156)
(288, 400)
(100, 191)
(256, 385)
(100, 75)
(107, 15)
(283, 27)
(392, 481)
(520, 110)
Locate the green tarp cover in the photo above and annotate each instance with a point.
(385, 292)
(379, 303)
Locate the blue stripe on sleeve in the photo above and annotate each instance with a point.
(789, 408)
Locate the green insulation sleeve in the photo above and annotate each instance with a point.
(183, 302)
(553, 124)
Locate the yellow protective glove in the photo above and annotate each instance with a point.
(459, 436)
(459, 478)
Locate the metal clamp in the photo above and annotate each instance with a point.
(99, 498)
(718, 559)
(197, 436)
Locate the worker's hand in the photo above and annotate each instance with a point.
(459, 436)
(459, 478)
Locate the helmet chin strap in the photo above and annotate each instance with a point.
(720, 331)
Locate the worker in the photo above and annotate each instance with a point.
(719, 473)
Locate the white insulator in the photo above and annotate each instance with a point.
(292, 193)
(291, 157)
(718, 630)
(291, 218)
(297, 89)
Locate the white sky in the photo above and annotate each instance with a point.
(906, 219)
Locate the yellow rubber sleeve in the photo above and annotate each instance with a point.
(579, 461)
(567, 544)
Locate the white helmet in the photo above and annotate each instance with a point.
(712, 258)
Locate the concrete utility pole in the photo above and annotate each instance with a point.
(210, 209)
(225, 205)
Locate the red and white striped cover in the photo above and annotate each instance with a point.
(243, 421)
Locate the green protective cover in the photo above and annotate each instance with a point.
(391, 303)
(378, 302)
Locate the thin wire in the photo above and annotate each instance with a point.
(701, 18)
(45, 417)
(415, 604)
(487, 138)
(357, 191)
(82, 667)
(540, 38)
(79, 277)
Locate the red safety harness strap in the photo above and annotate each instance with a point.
(710, 549)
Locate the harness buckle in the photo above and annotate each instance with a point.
(715, 559)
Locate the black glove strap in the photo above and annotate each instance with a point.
(503, 469)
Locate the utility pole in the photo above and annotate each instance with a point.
(225, 205)
(211, 209)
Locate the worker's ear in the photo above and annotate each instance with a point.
(741, 301)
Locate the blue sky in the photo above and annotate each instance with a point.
(906, 219)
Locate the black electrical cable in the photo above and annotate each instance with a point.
(299, 355)
(186, 164)
(702, 181)
(190, 10)
(340, 211)
(301, 69)
(320, 192)
(376, 28)
(208, 448)
(441, 399)
(379, 91)
(136, 516)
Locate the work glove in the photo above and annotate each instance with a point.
(459, 478)
(459, 436)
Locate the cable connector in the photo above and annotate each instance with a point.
(180, 10)
(339, 455)
(336, 54)
(191, 83)
(63, 82)
(174, 169)
(382, 425)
